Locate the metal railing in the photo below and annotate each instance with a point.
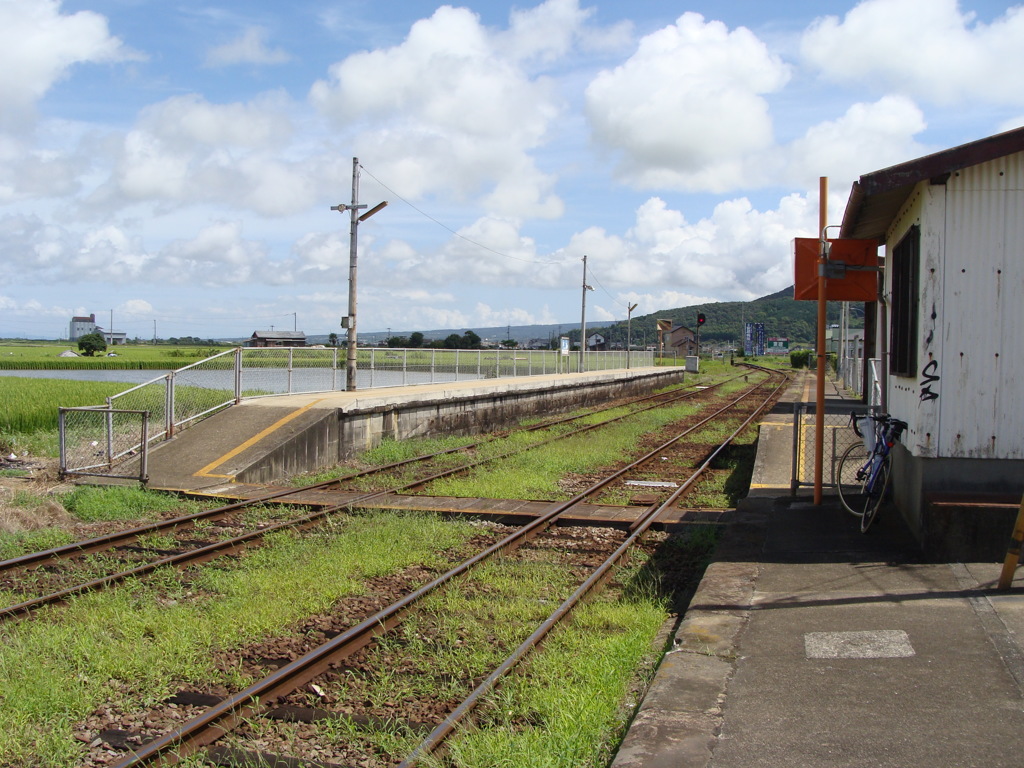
(852, 375)
(181, 397)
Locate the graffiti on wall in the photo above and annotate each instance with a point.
(928, 378)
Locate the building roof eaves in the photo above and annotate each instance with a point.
(877, 197)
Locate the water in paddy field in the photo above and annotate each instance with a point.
(274, 380)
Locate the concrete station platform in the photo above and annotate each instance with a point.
(215, 457)
(810, 644)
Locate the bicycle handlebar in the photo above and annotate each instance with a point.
(897, 426)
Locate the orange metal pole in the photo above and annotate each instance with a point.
(819, 402)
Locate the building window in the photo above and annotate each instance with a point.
(906, 258)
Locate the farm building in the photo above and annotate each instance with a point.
(277, 339)
(949, 332)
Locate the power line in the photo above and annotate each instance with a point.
(452, 231)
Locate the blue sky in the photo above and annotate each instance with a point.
(174, 164)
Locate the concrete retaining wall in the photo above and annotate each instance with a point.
(332, 435)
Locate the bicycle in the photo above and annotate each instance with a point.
(862, 475)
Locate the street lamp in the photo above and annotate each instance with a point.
(349, 321)
(583, 317)
(629, 331)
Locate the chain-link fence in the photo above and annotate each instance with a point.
(104, 441)
(839, 435)
(188, 394)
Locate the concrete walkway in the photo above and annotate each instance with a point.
(811, 644)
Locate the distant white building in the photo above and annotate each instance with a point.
(114, 338)
(81, 326)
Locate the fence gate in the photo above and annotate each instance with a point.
(839, 435)
(105, 442)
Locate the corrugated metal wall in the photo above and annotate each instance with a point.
(968, 399)
(984, 285)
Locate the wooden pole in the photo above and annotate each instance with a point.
(819, 401)
(1013, 553)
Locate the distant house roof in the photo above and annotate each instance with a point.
(296, 335)
(877, 197)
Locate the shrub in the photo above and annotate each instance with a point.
(800, 358)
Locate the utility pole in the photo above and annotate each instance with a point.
(349, 321)
(583, 317)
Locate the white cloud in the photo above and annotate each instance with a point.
(686, 110)
(189, 121)
(249, 48)
(452, 109)
(136, 307)
(736, 254)
(217, 256)
(187, 151)
(39, 44)
(868, 137)
(28, 172)
(545, 32)
(927, 49)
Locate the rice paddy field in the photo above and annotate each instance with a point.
(28, 410)
(46, 356)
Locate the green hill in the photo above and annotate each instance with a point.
(781, 315)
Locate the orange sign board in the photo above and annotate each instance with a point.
(857, 260)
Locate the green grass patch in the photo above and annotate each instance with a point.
(536, 473)
(15, 544)
(93, 504)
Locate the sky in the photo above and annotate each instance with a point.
(171, 166)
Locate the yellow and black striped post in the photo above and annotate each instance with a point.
(1013, 553)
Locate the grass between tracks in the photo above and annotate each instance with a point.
(131, 644)
(565, 706)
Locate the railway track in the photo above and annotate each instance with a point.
(242, 708)
(177, 542)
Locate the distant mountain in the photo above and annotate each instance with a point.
(782, 316)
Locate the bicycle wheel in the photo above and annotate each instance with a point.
(851, 488)
(876, 494)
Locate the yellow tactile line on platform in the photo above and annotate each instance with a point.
(205, 471)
